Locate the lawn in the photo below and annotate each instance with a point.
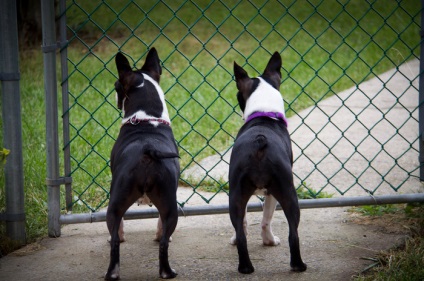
(326, 47)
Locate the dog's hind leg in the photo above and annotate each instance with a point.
(268, 237)
(237, 210)
(118, 205)
(114, 220)
(121, 232)
(290, 205)
(166, 203)
(169, 220)
(159, 231)
(233, 240)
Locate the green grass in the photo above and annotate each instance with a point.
(375, 210)
(34, 153)
(322, 49)
(323, 53)
(406, 262)
(305, 191)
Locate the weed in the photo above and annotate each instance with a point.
(376, 210)
(407, 261)
(304, 191)
(207, 184)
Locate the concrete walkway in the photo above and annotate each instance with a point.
(332, 243)
(370, 123)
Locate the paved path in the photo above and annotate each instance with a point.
(374, 125)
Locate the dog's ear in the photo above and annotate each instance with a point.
(125, 73)
(122, 65)
(243, 80)
(244, 85)
(119, 94)
(152, 65)
(273, 70)
(239, 73)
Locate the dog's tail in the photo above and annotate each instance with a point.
(261, 143)
(157, 155)
(146, 170)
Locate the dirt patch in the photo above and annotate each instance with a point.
(396, 223)
(28, 249)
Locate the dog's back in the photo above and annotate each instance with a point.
(261, 162)
(144, 159)
(263, 151)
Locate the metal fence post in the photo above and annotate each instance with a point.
(12, 126)
(421, 97)
(65, 103)
(53, 182)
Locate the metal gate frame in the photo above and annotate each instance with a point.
(54, 180)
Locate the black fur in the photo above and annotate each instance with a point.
(144, 161)
(145, 98)
(262, 159)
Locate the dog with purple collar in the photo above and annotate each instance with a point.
(144, 158)
(261, 162)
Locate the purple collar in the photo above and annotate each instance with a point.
(276, 115)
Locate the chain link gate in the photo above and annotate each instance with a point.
(326, 46)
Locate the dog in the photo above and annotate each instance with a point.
(261, 162)
(144, 159)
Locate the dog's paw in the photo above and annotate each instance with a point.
(299, 267)
(274, 241)
(168, 274)
(268, 238)
(246, 269)
(113, 274)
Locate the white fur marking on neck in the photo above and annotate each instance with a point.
(123, 107)
(141, 85)
(123, 103)
(165, 114)
(141, 114)
(264, 99)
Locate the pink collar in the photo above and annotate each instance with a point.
(135, 121)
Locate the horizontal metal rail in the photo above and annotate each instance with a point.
(252, 207)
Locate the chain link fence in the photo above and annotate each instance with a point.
(330, 50)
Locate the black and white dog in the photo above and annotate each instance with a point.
(261, 162)
(144, 159)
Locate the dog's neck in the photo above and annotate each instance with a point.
(273, 115)
(265, 98)
(141, 116)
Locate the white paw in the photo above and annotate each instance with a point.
(114, 274)
(169, 275)
(270, 240)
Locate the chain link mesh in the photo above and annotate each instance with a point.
(327, 47)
